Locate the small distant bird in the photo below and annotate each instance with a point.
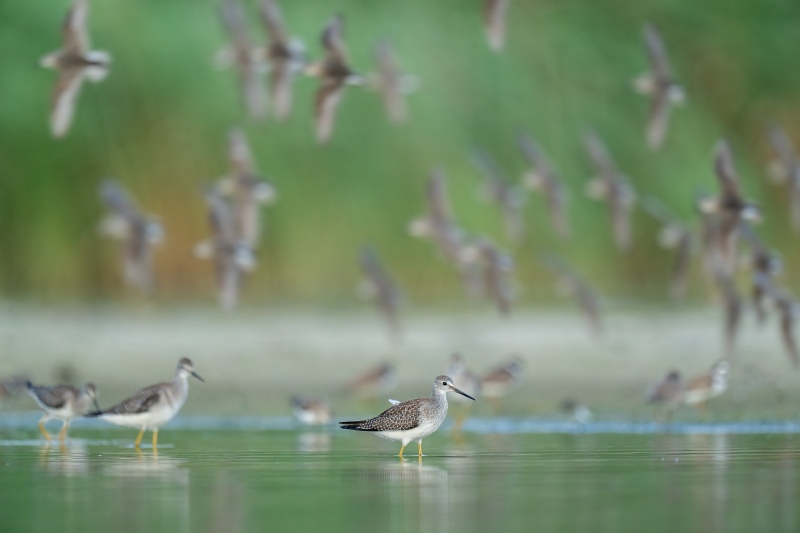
(63, 402)
(311, 411)
(247, 187)
(393, 84)
(137, 232)
(245, 58)
(576, 410)
(788, 309)
(412, 420)
(496, 267)
(379, 380)
(542, 177)
(153, 406)
(729, 207)
(700, 390)
(785, 168)
(232, 255)
(660, 85)
(613, 188)
(335, 74)
(11, 386)
(765, 266)
(470, 383)
(667, 393)
(285, 57)
(503, 380)
(572, 284)
(381, 288)
(494, 19)
(74, 62)
(499, 190)
(677, 236)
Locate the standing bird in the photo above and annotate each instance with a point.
(674, 235)
(232, 256)
(613, 188)
(381, 288)
(659, 83)
(575, 410)
(63, 402)
(494, 20)
(785, 168)
(74, 62)
(334, 73)
(137, 232)
(700, 390)
(311, 411)
(571, 284)
(542, 177)
(508, 198)
(247, 187)
(502, 381)
(285, 57)
(245, 58)
(765, 266)
(496, 267)
(392, 83)
(153, 406)
(667, 394)
(412, 420)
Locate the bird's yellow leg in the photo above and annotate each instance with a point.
(44, 431)
(155, 440)
(403, 447)
(419, 448)
(62, 435)
(139, 439)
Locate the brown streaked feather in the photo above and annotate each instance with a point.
(56, 396)
(400, 417)
(140, 402)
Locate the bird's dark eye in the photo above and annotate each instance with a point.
(444, 383)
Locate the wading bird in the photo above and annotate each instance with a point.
(667, 394)
(311, 411)
(63, 402)
(502, 381)
(700, 390)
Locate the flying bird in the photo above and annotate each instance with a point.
(494, 20)
(496, 267)
(541, 176)
(392, 83)
(785, 168)
(137, 233)
(381, 288)
(74, 62)
(285, 57)
(676, 236)
(335, 74)
(573, 285)
(499, 190)
(788, 309)
(659, 83)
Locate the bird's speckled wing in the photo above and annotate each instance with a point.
(53, 397)
(400, 417)
(141, 402)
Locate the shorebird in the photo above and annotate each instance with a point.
(392, 83)
(499, 190)
(496, 267)
(63, 402)
(677, 236)
(700, 390)
(285, 57)
(494, 20)
(659, 83)
(335, 74)
(379, 380)
(152, 407)
(137, 232)
(381, 288)
(242, 56)
(571, 284)
(542, 177)
(74, 62)
(765, 266)
(247, 187)
(311, 411)
(412, 420)
(785, 168)
(612, 187)
(576, 410)
(232, 255)
(667, 393)
(502, 381)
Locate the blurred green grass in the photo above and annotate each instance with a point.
(158, 124)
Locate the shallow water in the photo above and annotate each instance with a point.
(331, 480)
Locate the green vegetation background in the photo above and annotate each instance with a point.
(158, 124)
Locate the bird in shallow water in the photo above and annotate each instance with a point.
(285, 57)
(137, 232)
(667, 394)
(699, 390)
(152, 407)
(785, 168)
(572, 284)
(381, 288)
(63, 402)
(412, 420)
(542, 177)
(74, 62)
(392, 83)
(575, 410)
(311, 411)
(494, 21)
(659, 83)
(335, 74)
(677, 236)
(502, 381)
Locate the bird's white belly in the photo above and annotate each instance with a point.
(408, 435)
(150, 420)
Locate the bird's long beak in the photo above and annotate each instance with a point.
(195, 374)
(462, 393)
(96, 405)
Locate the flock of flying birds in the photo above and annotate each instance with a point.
(234, 203)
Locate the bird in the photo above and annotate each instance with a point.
(496, 267)
(152, 407)
(785, 168)
(502, 380)
(10, 386)
(788, 309)
(392, 83)
(576, 410)
(499, 190)
(335, 74)
(311, 411)
(613, 188)
(63, 402)
(541, 176)
(699, 390)
(381, 288)
(732, 311)
(494, 20)
(571, 284)
(765, 266)
(285, 57)
(232, 255)
(378, 380)
(667, 394)
(248, 189)
(674, 235)
(412, 420)
(74, 63)
(660, 84)
(246, 59)
(137, 232)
